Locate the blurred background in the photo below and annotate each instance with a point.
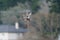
(45, 19)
